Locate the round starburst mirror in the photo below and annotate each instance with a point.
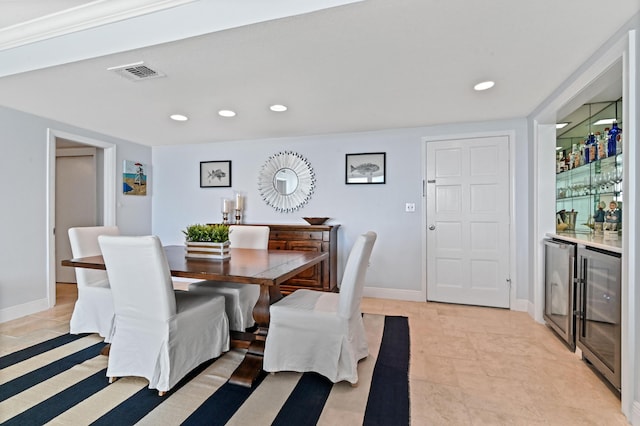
(286, 181)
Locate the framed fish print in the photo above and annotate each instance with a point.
(365, 168)
(215, 174)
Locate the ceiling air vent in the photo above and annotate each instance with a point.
(136, 72)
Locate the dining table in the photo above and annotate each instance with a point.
(266, 268)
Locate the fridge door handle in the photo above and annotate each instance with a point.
(572, 283)
(583, 297)
(577, 287)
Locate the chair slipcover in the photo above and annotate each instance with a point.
(322, 332)
(160, 333)
(93, 312)
(239, 298)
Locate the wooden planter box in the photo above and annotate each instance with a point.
(202, 250)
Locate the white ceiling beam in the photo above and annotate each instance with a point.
(82, 17)
(187, 18)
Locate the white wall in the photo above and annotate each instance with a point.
(177, 200)
(23, 214)
(398, 255)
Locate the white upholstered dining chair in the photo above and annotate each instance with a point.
(93, 312)
(239, 298)
(160, 333)
(322, 332)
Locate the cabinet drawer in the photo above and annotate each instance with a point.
(296, 235)
(277, 245)
(305, 245)
(296, 245)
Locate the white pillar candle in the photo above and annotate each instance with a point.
(239, 202)
(226, 205)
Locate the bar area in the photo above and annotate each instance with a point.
(583, 257)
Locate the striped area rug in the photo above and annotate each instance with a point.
(62, 382)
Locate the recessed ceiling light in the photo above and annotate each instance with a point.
(605, 121)
(484, 85)
(278, 108)
(226, 113)
(561, 125)
(179, 117)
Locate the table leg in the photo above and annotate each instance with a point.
(251, 366)
(268, 294)
(105, 351)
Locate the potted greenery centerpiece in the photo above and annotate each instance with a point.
(207, 241)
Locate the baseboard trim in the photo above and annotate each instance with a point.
(18, 311)
(531, 310)
(520, 305)
(635, 413)
(395, 294)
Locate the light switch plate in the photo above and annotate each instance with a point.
(410, 207)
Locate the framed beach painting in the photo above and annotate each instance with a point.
(365, 168)
(134, 178)
(215, 174)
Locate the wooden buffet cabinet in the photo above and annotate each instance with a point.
(322, 238)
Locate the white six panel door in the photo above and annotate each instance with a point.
(468, 221)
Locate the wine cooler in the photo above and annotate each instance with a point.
(560, 273)
(597, 313)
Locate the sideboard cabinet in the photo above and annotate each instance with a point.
(321, 238)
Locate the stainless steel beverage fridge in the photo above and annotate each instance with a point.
(560, 272)
(598, 310)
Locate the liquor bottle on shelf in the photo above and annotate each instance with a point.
(590, 149)
(583, 154)
(559, 163)
(586, 151)
(602, 145)
(572, 160)
(612, 146)
(605, 138)
(619, 143)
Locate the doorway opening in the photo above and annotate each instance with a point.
(105, 177)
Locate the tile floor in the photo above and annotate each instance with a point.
(469, 365)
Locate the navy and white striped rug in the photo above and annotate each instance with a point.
(63, 381)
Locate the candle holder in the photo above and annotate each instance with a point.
(239, 206)
(227, 206)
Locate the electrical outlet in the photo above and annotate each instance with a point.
(410, 207)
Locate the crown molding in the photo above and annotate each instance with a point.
(90, 15)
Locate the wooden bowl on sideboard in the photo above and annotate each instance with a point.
(315, 220)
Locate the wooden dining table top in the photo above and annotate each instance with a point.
(250, 266)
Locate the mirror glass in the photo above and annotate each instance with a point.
(286, 181)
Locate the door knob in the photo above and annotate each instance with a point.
(432, 227)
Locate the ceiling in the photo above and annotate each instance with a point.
(364, 66)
